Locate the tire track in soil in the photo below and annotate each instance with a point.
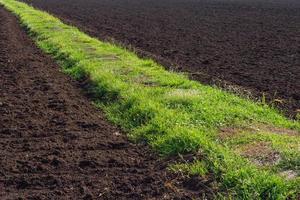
(55, 145)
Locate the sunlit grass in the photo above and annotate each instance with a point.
(167, 110)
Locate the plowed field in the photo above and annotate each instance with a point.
(56, 145)
(251, 45)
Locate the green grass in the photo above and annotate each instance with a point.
(171, 113)
(286, 146)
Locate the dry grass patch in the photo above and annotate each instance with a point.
(260, 153)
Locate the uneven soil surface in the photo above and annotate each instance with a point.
(252, 44)
(55, 145)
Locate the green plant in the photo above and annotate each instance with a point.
(169, 111)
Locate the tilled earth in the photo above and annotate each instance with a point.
(240, 45)
(55, 145)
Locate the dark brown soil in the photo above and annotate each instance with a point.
(55, 145)
(254, 44)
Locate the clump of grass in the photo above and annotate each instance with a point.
(195, 168)
(167, 110)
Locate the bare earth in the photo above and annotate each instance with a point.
(55, 145)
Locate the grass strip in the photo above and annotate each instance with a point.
(167, 110)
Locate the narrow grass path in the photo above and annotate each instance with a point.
(54, 144)
(252, 149)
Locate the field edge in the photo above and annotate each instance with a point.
(128, 101)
